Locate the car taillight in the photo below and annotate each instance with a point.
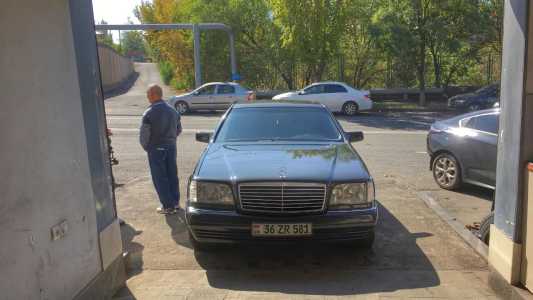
(366, 97)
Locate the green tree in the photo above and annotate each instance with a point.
(132, 42)
(104, 37)
(312, 29)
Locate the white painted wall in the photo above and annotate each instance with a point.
(44, 172)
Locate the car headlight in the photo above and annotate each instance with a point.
(210, 193)
(352, 195)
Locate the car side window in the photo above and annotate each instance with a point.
(226, 89)
(485, 123)
(335, 88)
(315, 89)
(207, 90)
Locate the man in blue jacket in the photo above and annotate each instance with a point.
(159, 130)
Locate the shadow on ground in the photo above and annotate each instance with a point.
(134, 249)
(476, 191)
(325, 269)
(396, 120)
(122, 88)
(178, 229)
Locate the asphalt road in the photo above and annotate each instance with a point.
(415, 254)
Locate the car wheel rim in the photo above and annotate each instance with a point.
(351, 108)
(445, 171)
(182, 108)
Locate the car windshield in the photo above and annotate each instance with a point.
(278, 124)
(485, 89)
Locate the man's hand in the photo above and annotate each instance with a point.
(144, 135)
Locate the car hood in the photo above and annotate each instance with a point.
(465, 96)
(303, 162)
(182, 96)
(286, 95)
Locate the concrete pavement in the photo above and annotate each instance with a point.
(416, 254)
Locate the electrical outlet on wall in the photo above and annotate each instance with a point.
(59, 230)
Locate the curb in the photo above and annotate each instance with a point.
(459, 228)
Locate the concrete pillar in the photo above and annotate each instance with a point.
(515, 147)
(59, 236)
(197, 65)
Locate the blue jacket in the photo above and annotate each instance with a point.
(160, 126)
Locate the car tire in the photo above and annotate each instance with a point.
(350, 108)
(484, 228)
(447, 171)
(182, 107)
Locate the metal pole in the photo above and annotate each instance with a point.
(233, 60)
(197, 66)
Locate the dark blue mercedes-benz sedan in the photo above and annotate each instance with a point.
(280, 172)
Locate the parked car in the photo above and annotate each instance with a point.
(212, 96)
(280, 172)
(483, 98)
(337, 96)
(463, 149)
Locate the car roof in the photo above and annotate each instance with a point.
(220, 82)
(329, 82)
(277, 104)
(458, 118)
(480, 112)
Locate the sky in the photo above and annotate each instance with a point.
(115, 12)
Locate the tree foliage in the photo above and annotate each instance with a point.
(367, 43)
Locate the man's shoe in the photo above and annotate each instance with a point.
(166, 211)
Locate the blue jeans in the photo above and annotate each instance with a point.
(162, 160)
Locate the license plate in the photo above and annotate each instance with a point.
(299, 229)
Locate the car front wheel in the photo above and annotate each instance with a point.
(446, 171)
(182, 107)
(350, 108)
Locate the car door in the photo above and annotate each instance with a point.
(313, 93)
(202, 98)
(481, 146)
(224, 97)
(334, 96)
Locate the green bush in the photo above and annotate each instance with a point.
(185, 83)
(166, 69)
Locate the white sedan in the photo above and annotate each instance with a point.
(211, 96)
(337, 96)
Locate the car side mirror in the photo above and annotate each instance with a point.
(196, 93)
(203, 137)
(355, 136)
(301, 93)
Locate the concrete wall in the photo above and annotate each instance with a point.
(45, 169)
(114, 68)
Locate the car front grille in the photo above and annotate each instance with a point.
(282, 197)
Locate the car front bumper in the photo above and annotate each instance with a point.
(216, 226)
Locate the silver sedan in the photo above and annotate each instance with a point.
(212, 96)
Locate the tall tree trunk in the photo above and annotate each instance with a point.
(422, 72)
(437, 69)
